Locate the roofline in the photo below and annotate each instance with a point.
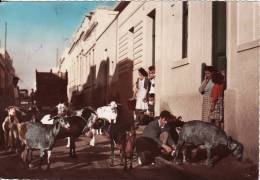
(121, 6)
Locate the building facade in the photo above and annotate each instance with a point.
(179, 38)
(7, 73)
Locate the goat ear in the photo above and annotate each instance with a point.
(178, 129)
(229, 140)
(179, 118)
(57, 125)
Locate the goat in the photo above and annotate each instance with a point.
(38, 136)
(105, 116)
(77, 126)
(10, 128)
(108, 113)
(208, 135)
(128, 145)
(121, 134)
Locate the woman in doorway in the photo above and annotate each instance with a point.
(140, 94)
(205, 89)
(217, 106)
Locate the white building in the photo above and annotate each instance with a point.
(177, 37)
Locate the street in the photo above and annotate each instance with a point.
(93, 163)
(131, 61)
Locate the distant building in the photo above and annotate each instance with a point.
(178, 38)
(51, 89)
(7, 74)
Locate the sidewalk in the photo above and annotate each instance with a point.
(227, 168)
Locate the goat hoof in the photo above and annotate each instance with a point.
(30, 166)
(210, 165)
(178, 162)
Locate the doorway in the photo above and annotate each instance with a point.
(219, 59)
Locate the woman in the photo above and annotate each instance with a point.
(216, 109)
(205, 90)
(140, 94)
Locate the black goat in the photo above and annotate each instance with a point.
(77, 126)
(123, 135)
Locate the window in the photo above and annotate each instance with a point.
(184, 29)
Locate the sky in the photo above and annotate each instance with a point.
(36, 29)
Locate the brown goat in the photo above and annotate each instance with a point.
(127, 150)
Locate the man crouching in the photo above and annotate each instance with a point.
(155, 139)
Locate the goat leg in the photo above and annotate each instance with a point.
(112, 152)
(29, 157)
(73, 148)
(121, 157)
(178, 150)
(131, 162)
(209, 161)
(125, 158)
(49, 159)
(42, 153)
(6, 135)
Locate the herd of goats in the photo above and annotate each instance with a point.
(43, 134)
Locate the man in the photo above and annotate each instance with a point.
(149, 114)
(151, 76)
(155, 139)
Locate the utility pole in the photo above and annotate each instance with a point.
(5, 39)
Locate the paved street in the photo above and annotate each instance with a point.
(131, 61)
(93, 163)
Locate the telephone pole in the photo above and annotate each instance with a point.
(5, 39)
